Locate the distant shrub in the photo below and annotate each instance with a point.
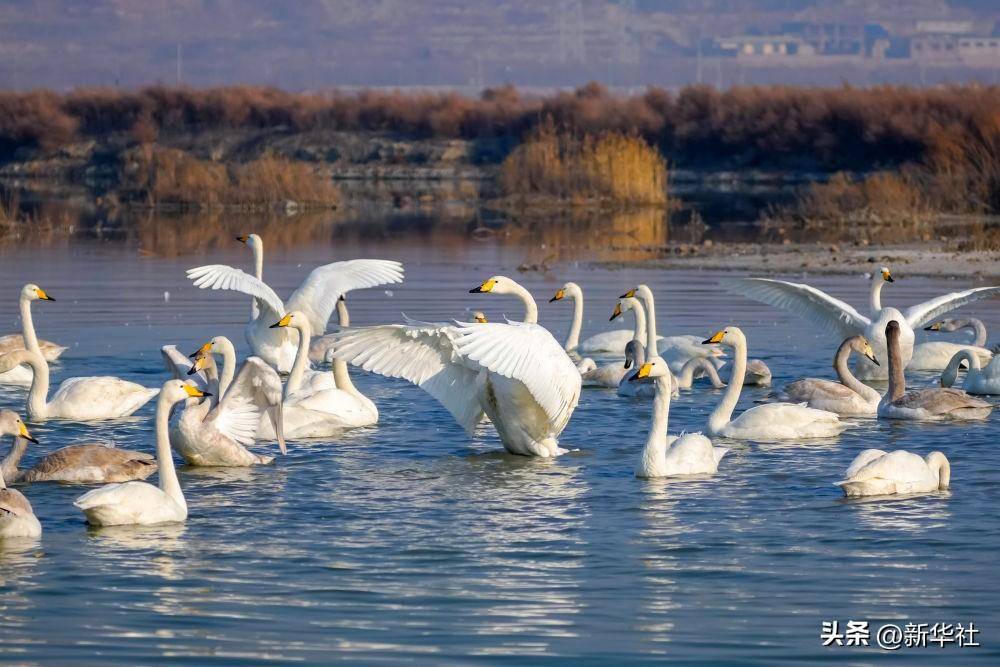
(610, 167)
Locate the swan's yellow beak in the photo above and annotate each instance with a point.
(202, 351)
(617, 312)
(486, 287)
(481, 318)
(283, 322)
(42, 295)
(643, 372)
(870, 353)
(716, 338)
(628, 295)
(199, 365)
(194, 392)
(242, 239)
(23, 432)
(559, 296)
(886, 276)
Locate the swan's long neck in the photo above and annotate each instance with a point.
(652, 350)
(530, 307)
(897, 376)
(8, 467)
(876, 294)
(28, 327)
(938, 463)
(258, 272)
(639, 332)
(686, 376)
(169, 483)
(656, 443)
(294, 382)
(39, 391)
(341, 376)
(724, 410)
(573, 337)
(977, 326)
(950, 373)
(846, 377)
(228, 371)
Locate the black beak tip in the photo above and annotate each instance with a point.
(633, 377)
(553, 299)
(32, 439)
(205, 393)
(275, 325)
(241, 239)
(890, 280)
(475, 290)
(192, 370)
(50, 298)
(612, 318)
(624, 296)
(875, 361)
(192, 355)
(707, 341)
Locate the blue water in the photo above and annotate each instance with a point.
(409, 542)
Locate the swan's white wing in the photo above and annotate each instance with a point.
(256, 382)
(861, 460)
(317, 295)
(220, 276)
(899, 466)
(528, 353)
(237, 419)
(424, 355)
(830, 314)
(922, 313)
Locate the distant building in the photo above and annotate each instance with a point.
(753, 47)
(979, 51)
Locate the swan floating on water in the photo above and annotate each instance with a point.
(978, 380)
(609, 342)
(848, 398)
(839, 319)
(874, 472)
(767, 422)
(516, 373)
(140, 502)
(27, 340)
(935, 355)
(923, 404)
(668, 456)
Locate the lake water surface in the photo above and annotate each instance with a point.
(409, 542)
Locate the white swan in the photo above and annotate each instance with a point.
(768, 422)
(315, 413)
(516, 373)
(216, 432)
(676, 350)
(701, 367)
(316, 298)
(874, 472)
(923, 404)
(849, 397)
(140, 502)
(935, 355)
(80, 398)
(838, 319)
(978, 380)
(27, 340)
(668, 456)
(606, 342)
(82, 463)
(17, 518)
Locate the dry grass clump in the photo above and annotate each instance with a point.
(157, 176)
(612, 167)
(879, 197)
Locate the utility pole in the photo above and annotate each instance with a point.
(178, 64)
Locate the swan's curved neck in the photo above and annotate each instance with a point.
(950, 373)
(847, 378)
(573, 337)
(939, 464)
(977, 326)
(8, 467)
(530, 307)
(298, 372)
(656, 443)
(897, 376)
(341, 376)
(686, 376)
(724, 410)
(652, 350)
(228, 366)
(876, 294)
(639, 333)
(28, 327)
(169, 483)
(39, 391)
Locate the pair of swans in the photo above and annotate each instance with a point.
(848, 398)
(27, 340)
(515, 373)
(315, 298)
(84, 463)
(767, 422)
(217, 430)
(877, 473)
(839, 319)
(978, 380)
(944, 404)
(935, 355)
(141, 503)
(669, 456)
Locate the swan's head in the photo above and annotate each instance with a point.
(885, 274)
(480, 317)
(11, 424)
(252, 240)
(728, 337)
(586, 365)
(495, 285)
(633, 352)
(294, 319)
(214, 346)
(861, 345)
(626, 304)
(202, 362)
(33, 292)
(571, 290)
(637, 290)
(655, 368)
(892, 330)
(175, 391)
(947, 325)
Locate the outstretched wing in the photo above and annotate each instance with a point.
(528, 353)
(830, 314)
(256, 384)
(424, 355)
(220, 276)
(317, 295)
(922, 313)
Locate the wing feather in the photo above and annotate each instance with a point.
(922, 313)
(832, 315)
(317, 295)
(222, 277)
